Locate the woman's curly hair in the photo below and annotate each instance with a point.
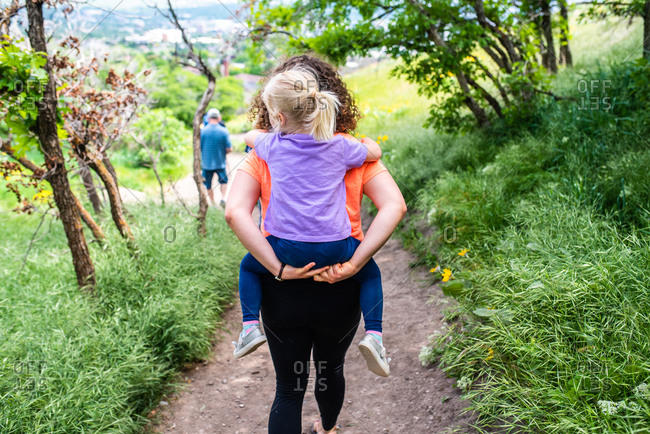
(328, 79)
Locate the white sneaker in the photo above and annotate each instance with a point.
(248, 343)
(375, 355)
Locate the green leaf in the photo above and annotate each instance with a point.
(485, 313)
(453, 288)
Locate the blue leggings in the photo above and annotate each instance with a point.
(298, 254)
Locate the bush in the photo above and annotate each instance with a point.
(78, 363)
(551, 332)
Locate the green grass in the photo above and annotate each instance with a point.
(71, 362)
(550, 332)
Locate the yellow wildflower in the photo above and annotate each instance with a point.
(490, 355)
(385, 137)
(446, 275)
(363, 135)
(435, 269)
(463, 252)
(470, 59)
(379, 138)
(42, 196)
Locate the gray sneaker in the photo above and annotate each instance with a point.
(249, 343)
(375, 355)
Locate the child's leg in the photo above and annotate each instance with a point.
(250, 288)
(371, 297)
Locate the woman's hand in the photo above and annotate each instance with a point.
(337, 272)
(291, 273)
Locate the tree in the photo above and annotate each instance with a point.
(438, 42)
(198, 62)
(34, 180)
(47, 131)
(633, 8)
(565, 50)
(94, 119)
(160, 137)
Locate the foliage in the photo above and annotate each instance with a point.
(228, 97)
(21, 74)
(547, 255)
(475, 56)
(74, 363)
(179, 90)
(161, 132)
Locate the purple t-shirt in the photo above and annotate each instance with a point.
(307, 200)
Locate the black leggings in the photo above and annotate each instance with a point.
(300, 316)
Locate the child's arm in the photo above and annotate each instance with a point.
(374, 151)
(250, 137)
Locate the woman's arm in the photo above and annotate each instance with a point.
(374, 151)
(388, 199)
(243, 196)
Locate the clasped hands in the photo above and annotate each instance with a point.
(330, 274)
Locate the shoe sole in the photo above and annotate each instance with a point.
(373, 360)
(252, 346)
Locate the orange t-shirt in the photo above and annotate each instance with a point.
(354, 182)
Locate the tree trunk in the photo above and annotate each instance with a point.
(113, 196)
(546, 28)
(109, 166)
(505, 40)
(98, 233)
(196, 145)
(646, 30)
(40, 173)
(488, 97)
(565, 51)
(54, 161)
(89, 185)
(154, 167)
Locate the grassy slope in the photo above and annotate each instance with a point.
(552, 331)
(76, 363)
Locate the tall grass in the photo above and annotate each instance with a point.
(551, 331)
(72, 362)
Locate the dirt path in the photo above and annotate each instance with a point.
(231, 396)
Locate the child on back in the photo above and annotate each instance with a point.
(306, 215)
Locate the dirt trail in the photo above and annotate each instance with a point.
(231, 396)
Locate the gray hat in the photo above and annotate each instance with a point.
(213, 113)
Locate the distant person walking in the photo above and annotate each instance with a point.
(215, 144)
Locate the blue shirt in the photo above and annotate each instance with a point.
(214, 142)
